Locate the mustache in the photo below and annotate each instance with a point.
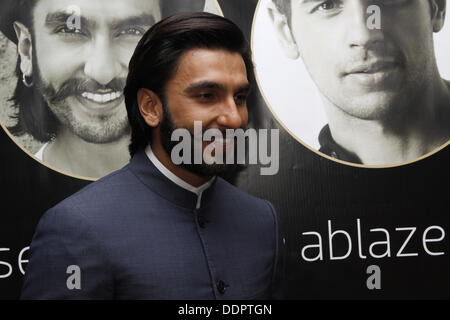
(373, 59)
(76, 86)
(222, 131)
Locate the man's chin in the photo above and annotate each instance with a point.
(104, 137)
(213, 169)
(98, 129)
(372, 106)
(93, 133)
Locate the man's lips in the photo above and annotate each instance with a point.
(106, 97)
(377, 74)
(100, 102)
(218, 143)
(224, 143)
(372, 67)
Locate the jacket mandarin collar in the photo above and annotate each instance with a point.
(149, 174)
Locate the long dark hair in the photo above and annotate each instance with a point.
(33, 115)
(157, 55)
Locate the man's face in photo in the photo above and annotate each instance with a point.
(367, 73)
(81, 70)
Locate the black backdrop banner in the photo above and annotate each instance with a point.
(350, 232)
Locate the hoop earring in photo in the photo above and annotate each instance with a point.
(27, 83)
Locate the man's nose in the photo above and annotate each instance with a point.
(102, 64)
(360, 32)
(231, 116)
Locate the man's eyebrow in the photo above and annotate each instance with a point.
(245, 88)
(203, 85)
(212, 85)
(308, 1)
(141, 20)
(61, 17)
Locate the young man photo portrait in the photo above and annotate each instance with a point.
(72, 60)
(374, 64)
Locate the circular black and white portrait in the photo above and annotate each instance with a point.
(364, 83)
(63, 67)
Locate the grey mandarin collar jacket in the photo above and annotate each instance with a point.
(135, 234)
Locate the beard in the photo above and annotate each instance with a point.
(63, 104)
(224, 170)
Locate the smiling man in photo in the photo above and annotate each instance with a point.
(72, 66)
(385, 100)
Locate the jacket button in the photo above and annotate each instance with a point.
(222, 286)
(201, 221)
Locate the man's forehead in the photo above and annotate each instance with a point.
(98, 10)
(212, 66)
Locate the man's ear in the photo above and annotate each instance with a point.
(150, 107)
(24, 48)
(438, 10)
(283, 31)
